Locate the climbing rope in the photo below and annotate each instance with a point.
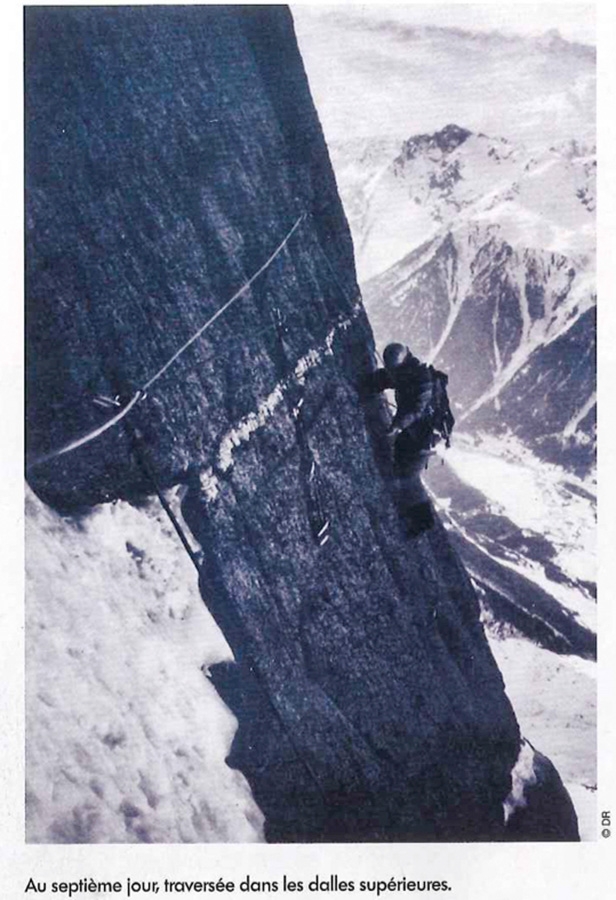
(225, 306)
(321, 525)
(140, 394)
(90, 436)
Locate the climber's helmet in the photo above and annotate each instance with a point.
(394, 355)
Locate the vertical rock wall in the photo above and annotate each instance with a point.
(169, 151)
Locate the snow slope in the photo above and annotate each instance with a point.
(126, 738)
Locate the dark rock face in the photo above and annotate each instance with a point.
(160, 177)
(169, 151)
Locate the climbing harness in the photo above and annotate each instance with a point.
(140, 394)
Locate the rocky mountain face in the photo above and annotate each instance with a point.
(170, 151)
(490, 274)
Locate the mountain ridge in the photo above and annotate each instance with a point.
(504, 261)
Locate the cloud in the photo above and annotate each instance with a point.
(377, 72)
(574, 23)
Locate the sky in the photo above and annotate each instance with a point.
(520, 72)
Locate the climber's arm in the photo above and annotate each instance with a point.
(376, 382)
(406, 417)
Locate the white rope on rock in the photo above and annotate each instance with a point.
(223, 308)
(90, 436)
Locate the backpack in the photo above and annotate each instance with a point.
(442, 416)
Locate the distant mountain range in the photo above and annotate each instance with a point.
(480, 254)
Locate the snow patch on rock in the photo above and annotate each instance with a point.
(522, 777)
(246, 427)
(242, 431)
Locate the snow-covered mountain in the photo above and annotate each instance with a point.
(396, 201)
(480, 254)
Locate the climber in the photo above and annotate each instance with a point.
(422, 418)
(412, 424)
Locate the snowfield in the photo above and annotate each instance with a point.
(126, 737)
